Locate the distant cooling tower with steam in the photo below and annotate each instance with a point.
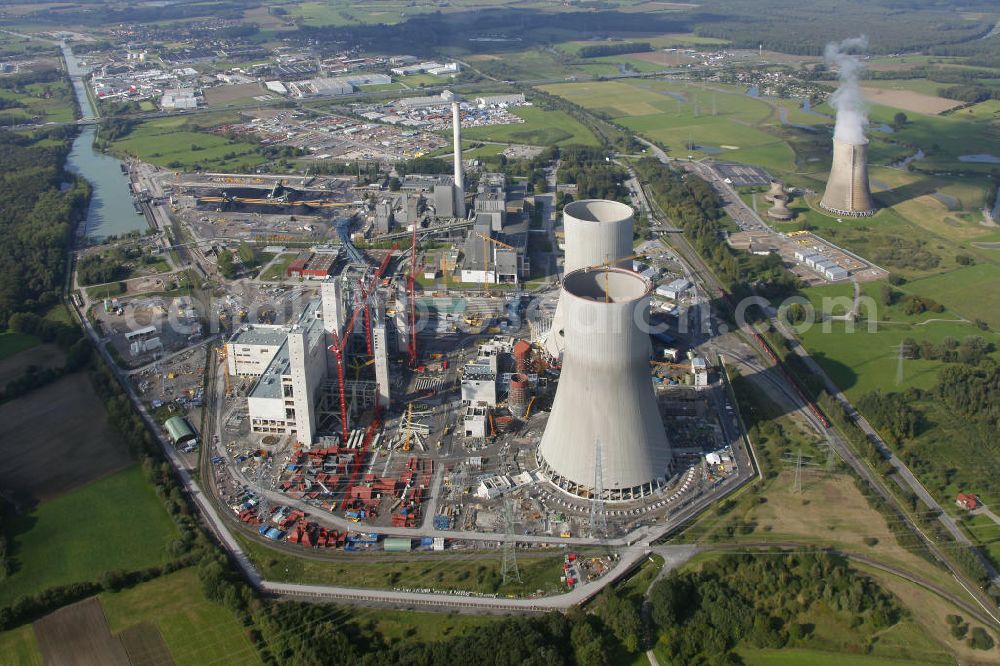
(605, 393)
(847, 191)
(598, 232)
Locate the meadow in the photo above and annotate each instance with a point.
(12, 343)
(116, 522)
(181, 143)
(196, 630)
(686, 119)
(860, 361)
(541, 127)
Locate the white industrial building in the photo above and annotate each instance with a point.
(516, 99)
(699, 368)
(479, 384)
(251, 348)
(822, 265)
(475, 422)
(674, 290)
(292, 365)
(179, 98)
(283, 399)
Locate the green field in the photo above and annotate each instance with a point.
(859, 361)
(447, 571)
(11, 343)
(972, 292)
(541, 127)
(276, 271)
(168, 142)
(196, 630)
(18, 647)
(721, 121)
(114, 523)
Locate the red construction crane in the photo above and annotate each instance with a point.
(340, 343)
(411, 287)
(366, 294)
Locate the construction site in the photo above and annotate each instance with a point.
(396, 385)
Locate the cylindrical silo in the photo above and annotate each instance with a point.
(847, 191)
(522, 356)
(598, 232)
(605, 392)
(517, 398)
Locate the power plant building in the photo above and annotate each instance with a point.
(444, 201)
(847, 189)
(283, 399)
(605, 429)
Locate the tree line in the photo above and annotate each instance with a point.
(601, 50)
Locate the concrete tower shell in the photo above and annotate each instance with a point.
(598, 232)
(847, 191)
(517, 398)
(605, 392)
(456, 128)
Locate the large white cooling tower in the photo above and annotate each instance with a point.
(847, 190)
(598, 232)
(605, 392)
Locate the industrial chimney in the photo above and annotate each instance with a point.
(605, 392)
(847, 192)
(456, 129)
(598, 232)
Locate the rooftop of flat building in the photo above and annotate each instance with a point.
(260, 335)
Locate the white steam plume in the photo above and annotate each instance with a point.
(852, 114)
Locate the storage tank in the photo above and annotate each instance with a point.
(522, 356)
(605, 392)
(517, 398)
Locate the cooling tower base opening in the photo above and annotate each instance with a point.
(849, 213)
(632, 494)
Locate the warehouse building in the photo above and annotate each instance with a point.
(179, 430)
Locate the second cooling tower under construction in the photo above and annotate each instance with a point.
(847, 191)
(605, 404)
(598, 232)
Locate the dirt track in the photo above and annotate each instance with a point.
(55, 439)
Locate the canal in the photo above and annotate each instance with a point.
(111, 209)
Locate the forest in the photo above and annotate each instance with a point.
(748, 599)
(37, 218)
(692, 204)
(594, 176)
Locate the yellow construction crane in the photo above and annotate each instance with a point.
(606, 265)
(358, 366)
(683, 366)
(527, 412)
(409, 426)
(486, 253)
